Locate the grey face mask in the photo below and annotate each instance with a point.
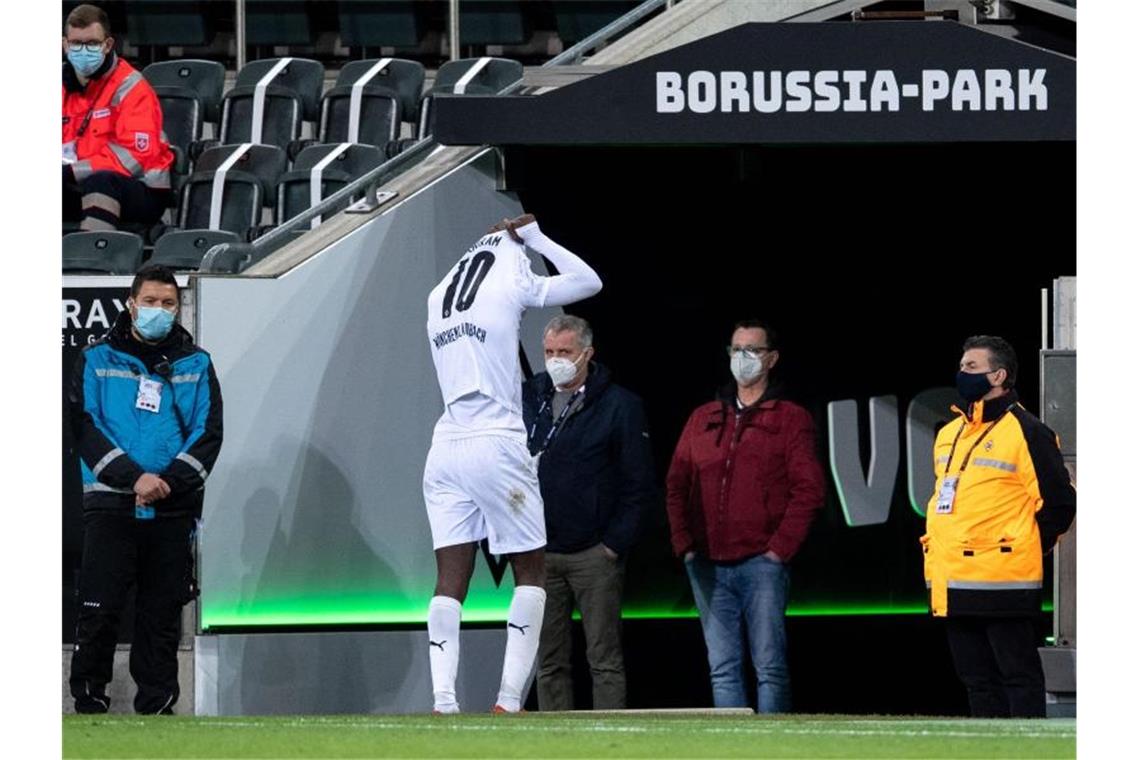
(745, 367)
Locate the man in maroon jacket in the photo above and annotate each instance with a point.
(743, 488)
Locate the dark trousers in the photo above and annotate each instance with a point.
(154, 556)
(997, 661)
(595, 582)
(104, 200)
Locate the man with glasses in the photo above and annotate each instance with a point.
(743, 488)
(116, 161)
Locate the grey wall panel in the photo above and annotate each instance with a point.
(315, 505)
(326, 673)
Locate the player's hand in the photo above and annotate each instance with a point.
(150, 488)
(610, 553)
(510, 225)
(773, 556)
(689, 556)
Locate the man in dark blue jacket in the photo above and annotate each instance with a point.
(597, 480)
(146, 412)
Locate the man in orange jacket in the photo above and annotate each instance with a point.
(116, 160)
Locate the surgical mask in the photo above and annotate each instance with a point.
(745, 367)
(972, 386)
(561, 370)
(84, 61)
(154, 323)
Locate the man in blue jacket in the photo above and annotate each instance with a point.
(146, 412)
(597, 480)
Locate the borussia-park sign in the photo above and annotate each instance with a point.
(925, 81)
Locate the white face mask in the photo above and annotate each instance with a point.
(561, 370)
(745, 368)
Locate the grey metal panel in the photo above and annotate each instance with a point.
(1059, 396)
(330, 399)
(1060, 666)
(344, 672)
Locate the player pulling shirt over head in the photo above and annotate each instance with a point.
(479, 479)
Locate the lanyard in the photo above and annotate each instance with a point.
(557, 423)
(94, 102)
(985, 432)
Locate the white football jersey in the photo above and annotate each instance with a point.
(473, 322)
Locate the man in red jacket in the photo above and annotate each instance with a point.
(116, 161)
(743, 488)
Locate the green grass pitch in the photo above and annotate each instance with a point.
(565, 736)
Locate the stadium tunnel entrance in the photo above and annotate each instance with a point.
(876, 247)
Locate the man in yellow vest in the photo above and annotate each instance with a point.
(1003, 496)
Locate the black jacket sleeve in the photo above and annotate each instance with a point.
(638, 490)
(1059, 498)
(192, 465)
(109, 463)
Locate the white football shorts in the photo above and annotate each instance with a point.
(484, 487)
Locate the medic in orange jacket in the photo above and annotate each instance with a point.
(115, 124)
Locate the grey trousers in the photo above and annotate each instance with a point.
(595, 582)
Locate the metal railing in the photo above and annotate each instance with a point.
(234, 258)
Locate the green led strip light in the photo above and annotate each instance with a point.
(479, 608)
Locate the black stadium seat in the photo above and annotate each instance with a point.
(388, 92)
(204, 79)
(295, 188)
(102, 253)
(232, 201)
(376, 23)
(468, 76)
(183, 250)
(290, 90)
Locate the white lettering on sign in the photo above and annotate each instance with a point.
(851, 91)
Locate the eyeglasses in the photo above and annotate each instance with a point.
(752, 351)
(92, 47)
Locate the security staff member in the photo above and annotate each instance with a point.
(116, 161)
(146, 413)
(1003, 497)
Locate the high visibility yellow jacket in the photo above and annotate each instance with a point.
(983, 554)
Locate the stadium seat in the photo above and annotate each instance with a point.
(202, 79)
(376, 23)
(388, 90)
(171, 22)
(102, 253)
(493, 22)
(278, 22)
(183, 250)
(288, 90)
(468, 76)
(333, 165)
(229, 187)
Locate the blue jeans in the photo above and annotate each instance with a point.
(738, 601)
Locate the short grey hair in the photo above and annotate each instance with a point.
(581, 327)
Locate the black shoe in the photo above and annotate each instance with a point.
(92, 704)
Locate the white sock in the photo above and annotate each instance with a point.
(443, 650)
(524, 621)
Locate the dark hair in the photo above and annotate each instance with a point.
(83, 16)
(1002, 355)
(155, 273)
(769, 332)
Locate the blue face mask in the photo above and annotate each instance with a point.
(971, 387)
(153, 323)
(85, 62)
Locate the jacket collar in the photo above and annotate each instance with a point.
(989, 410)
(775, 391)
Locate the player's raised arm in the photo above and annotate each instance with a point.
(575, 279)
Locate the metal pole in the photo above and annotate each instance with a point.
(453, 28)
(239, 32)
(1045, 318)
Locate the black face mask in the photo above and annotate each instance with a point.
(972, 386)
